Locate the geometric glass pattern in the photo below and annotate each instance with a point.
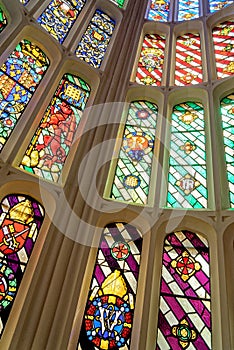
(187, 186)
(19, 77)
(3, 20)
(223, 38)
(184, 319)
(227, 114)
(150, 65)
(96, 38)
(20, 220)
(188, 69)
(109, 312)
(59, 16)
(120, 3)
(133, 170)
(188, 10)
(158, 10)
(216, 5)
(51, 143)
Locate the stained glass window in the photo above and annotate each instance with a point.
(187, 184)
(150, 66)
(19, 77)
(108, 318)
(50, 145)
(96, 39)
(216, 5)
(158, 10)
(20, 221)
(133, 170)
(3, 20)
(187, 10)
(188, 66)
(59, 17)
(120, 3)
(227, 113)
(24, 2)
(223, 37)
(184, 319)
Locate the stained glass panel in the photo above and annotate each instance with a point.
(24, 2)
(158, 10)
(150, 66)
(187, 178)
(184, 319)
(19, 77)
(133, 170)
(50, 145)
(96, 39)
(120, 3)
(188, 69)
(20, 220)
(216, 5)
(223, 37)
(227, 113)
(108, 318)
(59, 17)
(3, 20)
(188, 10)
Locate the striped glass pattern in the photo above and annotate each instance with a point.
(227, 114)
(187, 177)
(184, 320)
(150, 65)
(108, 317)
(216, 5)
(223, 37)
(188, 10)
(158, 10)
(188, 67)
(133, 170)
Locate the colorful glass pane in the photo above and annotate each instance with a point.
(158, 10)
(223, 37)
(227, 113)
(96, 38)
(133, 170)
(187, 160)
(120, 3)
(184, 319)
(3, 20)
(19, 77)
(108, 318)
(59, 16)
(50, 145)
(24, 2)
(188, 68)
(216, 5)
(20, 220)
(150, 66)
(187, 10)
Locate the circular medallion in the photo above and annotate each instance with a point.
(142, 114)
(120, 250)
(131, 181)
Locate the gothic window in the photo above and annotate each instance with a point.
(223, 36)
(227, 113)
(188, 65)
(108, 318)
(59, 17)
(188, 10)
(3, 20)
(19, 77)
(133, 169)
(184, 319)
(187, 177)
(95, 40)
(51, 143)
(20, 220)
(158, 10)
(150, 65)
(216, 5)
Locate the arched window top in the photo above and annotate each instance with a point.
(19, 77)
(3, 20)
(113, 287)
(21, 218)
(59, 17)
(52, 141)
